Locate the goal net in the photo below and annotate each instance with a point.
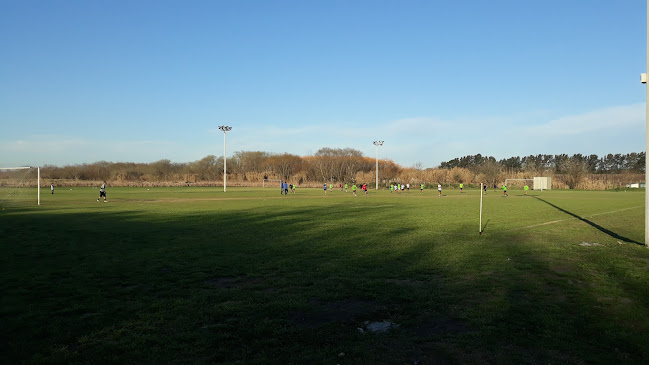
(19, 186)
(537, 183)
(271, 182)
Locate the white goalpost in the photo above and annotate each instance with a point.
(480, 228)
(537, 183)
(13, 183)
(263, 184)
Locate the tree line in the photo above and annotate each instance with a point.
(338, 165)
(562, 163)
(327, 164)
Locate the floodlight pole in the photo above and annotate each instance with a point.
(377, 144)
(225, 130)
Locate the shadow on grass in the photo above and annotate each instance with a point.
(591, 223)
(287, 285)
(485, 225)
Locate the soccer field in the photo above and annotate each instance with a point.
(196, 275)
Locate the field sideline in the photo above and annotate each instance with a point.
(196, 275)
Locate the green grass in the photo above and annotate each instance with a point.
(193, 275)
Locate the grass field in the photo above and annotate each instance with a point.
(192, 275)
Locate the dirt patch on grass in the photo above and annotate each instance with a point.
(257, 284)
(229, 282)
(322, 312)
(405, 282)
(645, 261)
(377, 327)
(269, 290)
(590, 244)
(128, 287)
(222, 282)
(615, 300)
(561, 269)
(441, 326)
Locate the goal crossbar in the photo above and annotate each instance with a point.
(15, 168)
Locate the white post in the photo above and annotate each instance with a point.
(480, 228)
(39, 182)
(646, 169)
(225, 163)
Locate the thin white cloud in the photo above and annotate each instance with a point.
(62, 150)
(617, 129)
(597, 120)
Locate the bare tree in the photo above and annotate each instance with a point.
(285, 165)
(491, 170)
(574, 171)
(249, 161)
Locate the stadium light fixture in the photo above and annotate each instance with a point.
(225, 130)
(377, 144)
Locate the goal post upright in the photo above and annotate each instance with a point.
(38, 179)
(643, 79)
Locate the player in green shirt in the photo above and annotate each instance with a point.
(354, 189)
(461, 187)
(421, 188)
(345, 187)
(505, 190)
(526, 189)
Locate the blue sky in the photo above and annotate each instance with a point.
(140, 81)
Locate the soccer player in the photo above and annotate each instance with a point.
(461, 187)
(52, 187)
(526, 189)
(293, 188)
(365, 188)
(354, 189)
(421, 188)
(345, 187)
(439, 189)
(484, 189)
(505, 190)
(408, 186)
(102, 192)
(285, 187)
(325, 188)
